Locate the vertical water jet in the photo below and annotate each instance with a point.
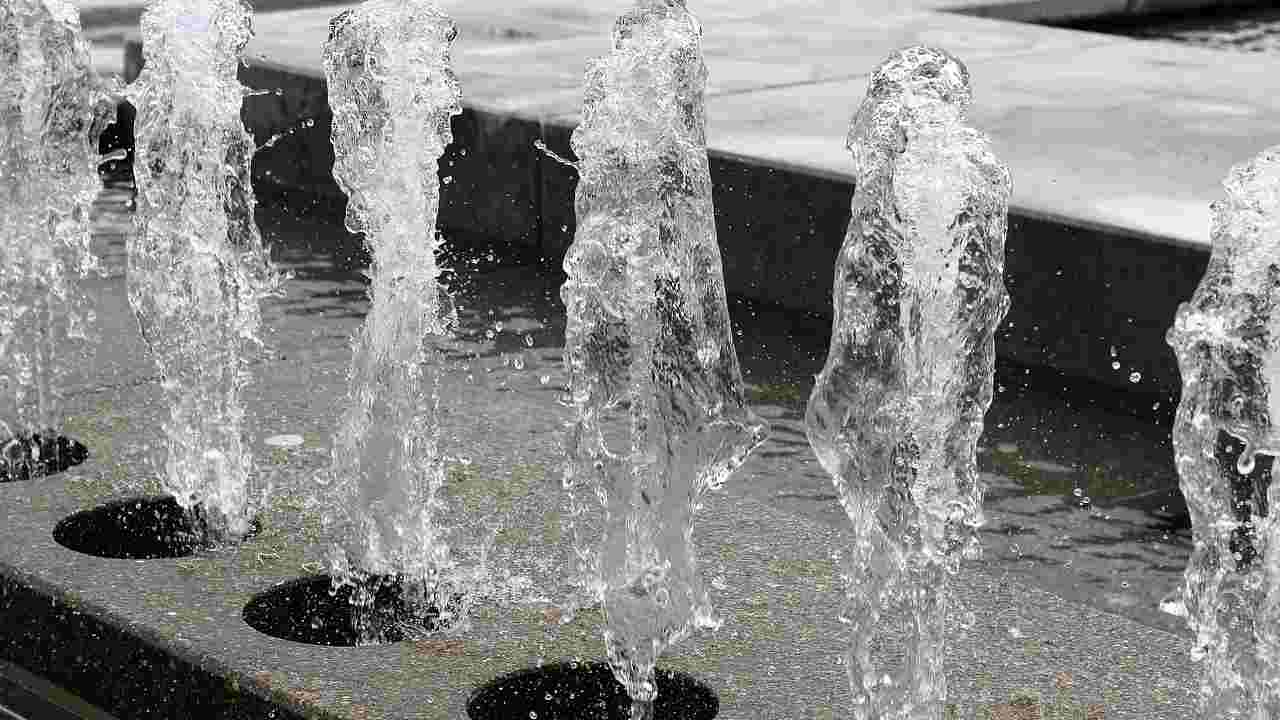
(661, 417)
(197, 266)
(53, 107)
(393, 94)
(896, 413)
(1225, 340)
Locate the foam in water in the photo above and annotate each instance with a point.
(660, 412)
(197, 267)
(393, 95)
(52, 109)
(1225, 339)
(897, 410)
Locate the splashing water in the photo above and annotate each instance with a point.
(897, 410)
(660, 412)
(1228, 354)
(52, 109)
(197, 267)
(393, 94)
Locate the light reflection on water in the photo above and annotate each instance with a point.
(1122, 551)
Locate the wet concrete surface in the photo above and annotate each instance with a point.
(764, 543)
(1082, 496)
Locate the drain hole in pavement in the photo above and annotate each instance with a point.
(39, 454)
(136, 529)
(306, 611)
(586, 691)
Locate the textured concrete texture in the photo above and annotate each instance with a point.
(164, 638)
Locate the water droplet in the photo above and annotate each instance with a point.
(1135, 377)
(518, 363)
(447, 179)
(544, 379)
(1115, 365)
(528, 341)
(1077, 492)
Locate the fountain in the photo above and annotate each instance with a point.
(896, 413)
(661, 419)
(660, 412)
(197, 267)
(393, 94)
(54, 108)
(1227, 353)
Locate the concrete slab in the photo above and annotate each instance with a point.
(773, 659)
(164, 638)
(1141, 151)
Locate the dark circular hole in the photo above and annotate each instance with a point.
(307, 610)
(586, 691)
(137, 529)
(38, 454)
